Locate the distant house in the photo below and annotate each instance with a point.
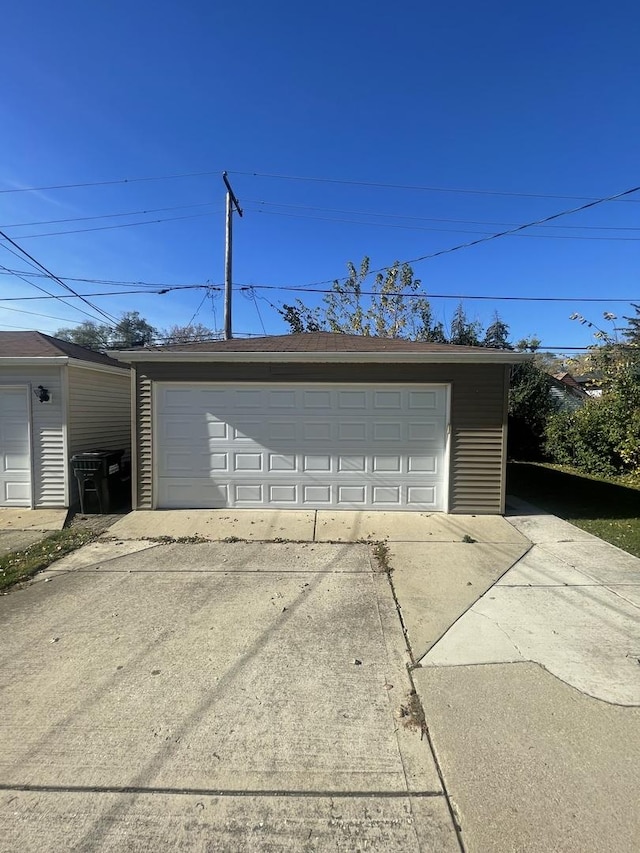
(591, 383)
(569, 393)
(56, 399)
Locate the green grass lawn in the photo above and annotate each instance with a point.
(607, 508)
(21, 565)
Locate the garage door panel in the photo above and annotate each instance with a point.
(15, 447)
(350, 447)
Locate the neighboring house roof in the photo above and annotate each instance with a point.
(569, 383)
(590, 380)
(319, 346)
(39, 345)
(568, 395)
(567, 379)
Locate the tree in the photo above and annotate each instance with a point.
(530, 344)
(131, 330)
(395, 307)
(182, 334)
(88, 334)
(603, 437)
(632, 332)
(497, 334)
(463, 331)
(530, 406)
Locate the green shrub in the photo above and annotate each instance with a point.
(584, 438)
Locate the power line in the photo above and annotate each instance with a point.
(105, 281)
(107, 215)
(458, 296)
(32, 260)
(37, 314)
(449, 230)
(412, 186)
(487, 238)
(300, 289)
(122, 225)
(108, 183)
(197, 311)
(432, 218)
(307, 290)
(108, 293)
(251, 294)
(464, 190)
(48, 294)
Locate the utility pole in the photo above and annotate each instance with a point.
(232, 202)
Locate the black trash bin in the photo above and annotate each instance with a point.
(98, 472)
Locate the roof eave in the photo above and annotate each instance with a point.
(483, 356)
(33, 360)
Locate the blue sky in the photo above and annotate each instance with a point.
(535, 99)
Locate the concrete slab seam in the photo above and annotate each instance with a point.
(51, 568)
(449, 802)
(453, 811)
(396, 728)
(217, 792)
(471, 606)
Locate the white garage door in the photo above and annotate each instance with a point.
(309, 446)
(15, 455)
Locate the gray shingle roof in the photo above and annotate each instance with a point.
(39, 345)
(314, 342)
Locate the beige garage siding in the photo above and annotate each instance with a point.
(478, 415)
(99, 410)
(47, 433)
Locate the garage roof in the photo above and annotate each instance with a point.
(38, 345)
(320, 346)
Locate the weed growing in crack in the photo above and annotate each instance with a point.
(411, 714)
(381, 553)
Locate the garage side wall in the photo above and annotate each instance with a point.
(47, 433)
(99, 410)
(99, 414)
(478, 416)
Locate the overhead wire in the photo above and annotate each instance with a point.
(36, 314)
(432, 218)
(48, 295)
(449, 230)
(304, 178)
(108, 293)
(461, 297)
(106, 215)
(487, 238)
(121, 225)
(109, 183)
(54, 277)
(378, 184)
(294, 289)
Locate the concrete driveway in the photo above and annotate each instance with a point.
(256, 694)
(214, 696)
(20, 528)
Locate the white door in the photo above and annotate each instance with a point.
(15, 447)
(300, 446)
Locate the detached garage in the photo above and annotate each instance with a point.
(56, 399)
(320, 421)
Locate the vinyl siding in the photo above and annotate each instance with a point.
(47, 434)
(478, 415)
(99, 410)
(99, 414)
